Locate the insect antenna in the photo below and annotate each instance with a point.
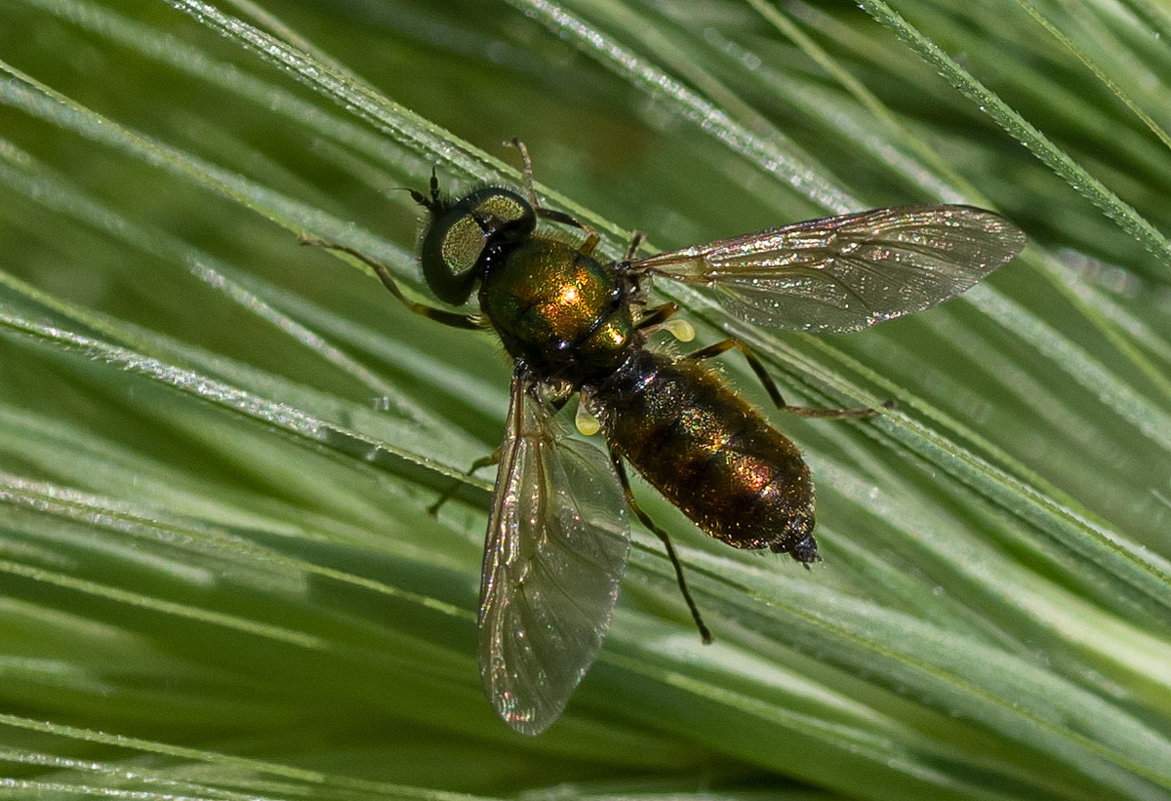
(430, 203)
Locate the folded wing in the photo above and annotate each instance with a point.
(556, 549)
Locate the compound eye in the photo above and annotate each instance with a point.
(458, 234)
(480, 217)
(462, 244)
(500, 211)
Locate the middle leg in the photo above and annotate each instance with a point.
(771, 387)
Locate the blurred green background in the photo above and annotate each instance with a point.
(217, 575)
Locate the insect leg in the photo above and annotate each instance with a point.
(527, 165)
(663, 317)
(704, 632)
(483, 461)
(771, 387)
(439, 315)
(657, 316)
(636, 240)
(592, 238)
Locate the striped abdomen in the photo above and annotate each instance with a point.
(709, 453)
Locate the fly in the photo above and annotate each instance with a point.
(558, 534)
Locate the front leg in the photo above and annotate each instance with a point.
(453, 319)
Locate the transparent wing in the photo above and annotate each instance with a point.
(556, 550)
(845, 273)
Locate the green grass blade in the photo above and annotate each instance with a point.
(218, 577)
